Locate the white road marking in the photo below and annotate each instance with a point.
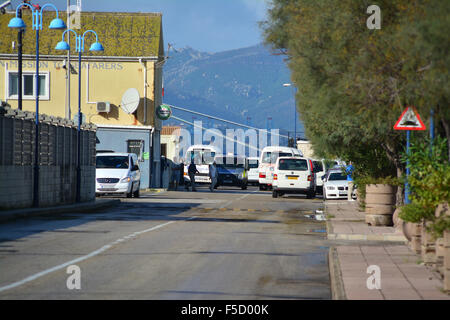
(90, 255)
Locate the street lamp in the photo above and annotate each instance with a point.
(96, 46)
(295, 112)
(18, 23)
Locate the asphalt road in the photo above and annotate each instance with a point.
(229, 244)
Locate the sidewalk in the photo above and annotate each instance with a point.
(401, 275)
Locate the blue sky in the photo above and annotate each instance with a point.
(205, 25)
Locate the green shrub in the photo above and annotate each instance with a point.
(429, 182)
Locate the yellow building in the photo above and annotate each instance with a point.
(133, 59)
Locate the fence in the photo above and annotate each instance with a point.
(57, 160)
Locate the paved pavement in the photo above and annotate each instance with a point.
(229, 244)
(401, 275)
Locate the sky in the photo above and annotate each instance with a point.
(204, 25)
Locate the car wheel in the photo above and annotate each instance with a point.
(310, 195)
(274, 194)
(136, 194)
(130, 194)
(262, 187)
(244, 187)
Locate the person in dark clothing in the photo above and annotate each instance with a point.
(192, 170)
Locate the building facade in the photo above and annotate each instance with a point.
(132, 60)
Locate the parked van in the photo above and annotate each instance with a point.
(253, 171)
(294, 175)
(232, 171)
(267, 160)
(203, 156)
(319, 170)
(117, 173)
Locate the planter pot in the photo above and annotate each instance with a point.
(428, 247)
(412, 230)
(359, 199)
(381, 189)
(379, 219)
(380, 204)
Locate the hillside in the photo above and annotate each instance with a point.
(232, 85)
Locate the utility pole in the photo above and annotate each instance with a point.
(19, 61)
(68, 113)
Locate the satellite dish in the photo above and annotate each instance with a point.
(130, 100)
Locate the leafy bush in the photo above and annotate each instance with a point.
(429, 182)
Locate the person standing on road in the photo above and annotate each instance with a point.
(192, 170)
(349, 170)
(213, 174)
(175, 174)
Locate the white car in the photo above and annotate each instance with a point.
(269, 156)
(253, 171)
(117, 173)
(335, 185)
(293, 175)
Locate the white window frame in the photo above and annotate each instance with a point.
(46, 96)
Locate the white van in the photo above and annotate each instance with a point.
(267, 160)
(319, 170)
(294, 175)
(253, 171)
(117, 173)
(203, 156)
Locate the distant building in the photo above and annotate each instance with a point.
(170, 136)
(133, 58)
(306, 148)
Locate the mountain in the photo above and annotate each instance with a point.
(233, 85)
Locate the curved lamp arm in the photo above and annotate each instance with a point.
(96, 40)
(24, 4)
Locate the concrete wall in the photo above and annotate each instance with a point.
(57, 160)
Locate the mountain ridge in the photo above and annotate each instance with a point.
(233, 85)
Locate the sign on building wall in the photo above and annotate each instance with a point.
(163, 112)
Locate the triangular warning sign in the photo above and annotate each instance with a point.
(409, 120)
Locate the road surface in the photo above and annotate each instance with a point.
(229, 244)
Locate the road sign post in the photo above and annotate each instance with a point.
(409, 120)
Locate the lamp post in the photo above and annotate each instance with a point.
(18, 23)
(295, 113)
(79, 47)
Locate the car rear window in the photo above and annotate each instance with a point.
(293, 164)
(335, 176)
(112, 162)
(253, 164)
(318, 165)
(271, 157)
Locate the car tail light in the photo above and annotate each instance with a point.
(309, 178)
(185, 174)
(262, 175)
(275, 177)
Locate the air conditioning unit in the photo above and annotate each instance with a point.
(103, 107)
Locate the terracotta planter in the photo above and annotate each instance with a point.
(380, 204)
